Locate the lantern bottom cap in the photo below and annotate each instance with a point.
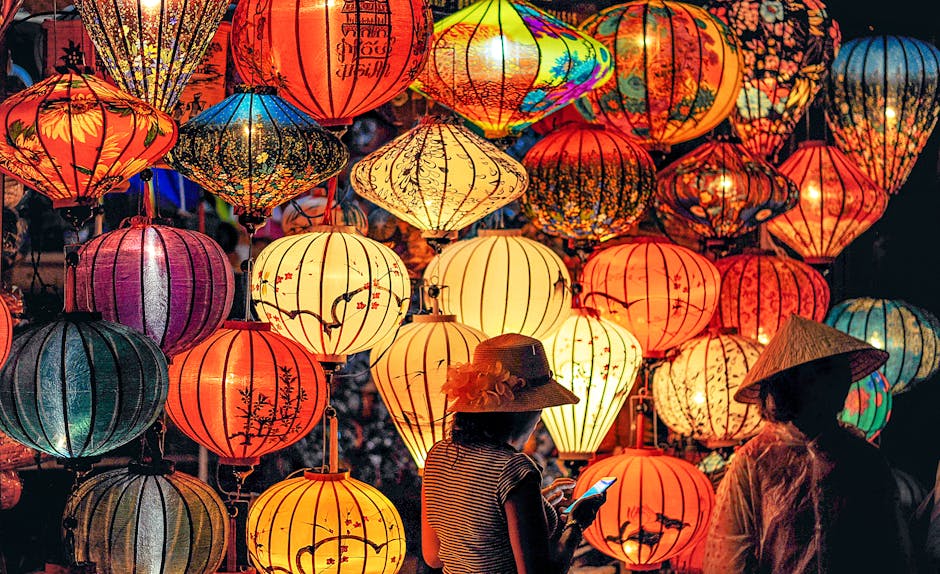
(246, 461)
(719, 443)
(575, 455)
(642, 567)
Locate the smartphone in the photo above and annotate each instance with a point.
(598, 487)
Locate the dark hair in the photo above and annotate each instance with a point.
(490, 427)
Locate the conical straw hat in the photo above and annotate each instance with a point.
(800, 341)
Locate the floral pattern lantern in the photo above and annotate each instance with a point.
(868, 405)
(305, 212)
(504, 64)
(677, 71)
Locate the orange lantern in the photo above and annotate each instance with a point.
(6, 331)
(8, 9)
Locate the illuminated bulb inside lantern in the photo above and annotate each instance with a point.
(150, 5)
(890, 113)
(495, 48)
(811, 193)
(762, 337)
(698, 398)
(876, 341)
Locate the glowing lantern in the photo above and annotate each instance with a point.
(152, 47)
(75, 138)
(325, 523)
(787, 47)
(690, 560)
(11, 489)
(884, 98)
(658, 507)
(501, 282)
(868, 405)
(598, 361)
(302, 214)
(6, 331)
(504, 65)
(694, 390)
(14, 455)
(837, 203)
(662, 293)
(335, 60)
(677, 71)
(331, 290)
(910, 334)
(8, 9)
(587, 182)
(759, 291)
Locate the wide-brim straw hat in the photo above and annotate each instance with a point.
(509, 373)
(800, 342)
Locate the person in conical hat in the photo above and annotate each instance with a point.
(807, 495)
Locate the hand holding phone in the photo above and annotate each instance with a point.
(597, 488)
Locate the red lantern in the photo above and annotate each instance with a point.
(6, 331)
(8, 9)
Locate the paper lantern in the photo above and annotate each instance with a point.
(587, 182)
(884, 98)
(79, 387)
(440, 177)
(868, 405)
(658, 507)
(245, 392)
(11, 489)
(75, 138)
(152, 47)
(910, 334)
(14, 455)
(8, 9)
(332, 290)
(334, 60)
(504, 64)
(6, 331)
(598, 361)
(759, 291)
(206, 87)
(677, 71)
(501, 282)
(305, 212)
(662, 293)
(693, 391)
(837, 203)
(689, 561)
(144, 520)
(325, 523)
(410, 371)
(787, 47)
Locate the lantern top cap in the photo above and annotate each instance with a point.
(258, 90)
(499, 233)
(246, 325)
(434, 318)
(335, 229)
(811, 143)
(314, 474)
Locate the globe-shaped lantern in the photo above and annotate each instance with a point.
(305, 212)
(837, 203)
(504, 64)
(334, 60)
(787, 47)
(152, 47)
(8, 9)
(6, 330)
(75, 138)
(245, 392)
(501, 282)
(677, 71)
(884, 98)
(662, 293)
(694, 390)
(332, 290)
(868, 405)
(325, 523)
(910, 334)
(587, 182)
(658, 507)
(14, 455)
(11, 489)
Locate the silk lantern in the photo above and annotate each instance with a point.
(11, 489)
(677, 71)
(8, 9)
(305, 212)
(14, 455)
(868, 405)
(6, 330)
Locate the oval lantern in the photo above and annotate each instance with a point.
(501, 282)
(837, 203)
(658, 507)
(143, 520)
(303, 213)
(677, 71)
(333, 60)
(6, 330)
(868, 405)
(587, 182)
(662, 293)
(325, 523)
(884, 98)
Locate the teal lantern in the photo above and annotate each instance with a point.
(868, 405)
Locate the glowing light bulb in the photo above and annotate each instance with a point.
(698, 398)
(812, 193)
(876, 341)
(150, 5)
(890, 113)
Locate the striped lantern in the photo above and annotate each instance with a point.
(868, 405)
(6, 330)
(303, 213)
(690, 560)
(14, 455)
(8, 9)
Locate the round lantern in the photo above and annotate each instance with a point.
(837, 203)
(410, 372)
(8, 9)
(6, 330)
(80, 387)
(759, 291)
(662, 293)
(143, 520)
(11, 489)
(325, 523)
(677, 71)
(884, 98)
(658, 507)
(690, 560)
(504, 65)
(75, 138)
(152, 47)
(910, 334)
(14, 455)
(332, 290)
(440, 177)
(173, 285)
(305, 212)
(868, 405)
(501, 282)
(587, 182)
(333, 60)
(598, 361)
(787, 47)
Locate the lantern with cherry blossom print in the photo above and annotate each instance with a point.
(868, 405)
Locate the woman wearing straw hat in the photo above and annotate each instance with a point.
(806, 495)
(482, 508)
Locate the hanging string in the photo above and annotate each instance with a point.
(330, 199)
(247, 265)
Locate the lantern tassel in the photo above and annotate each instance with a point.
(150, 194)
(330, 200)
